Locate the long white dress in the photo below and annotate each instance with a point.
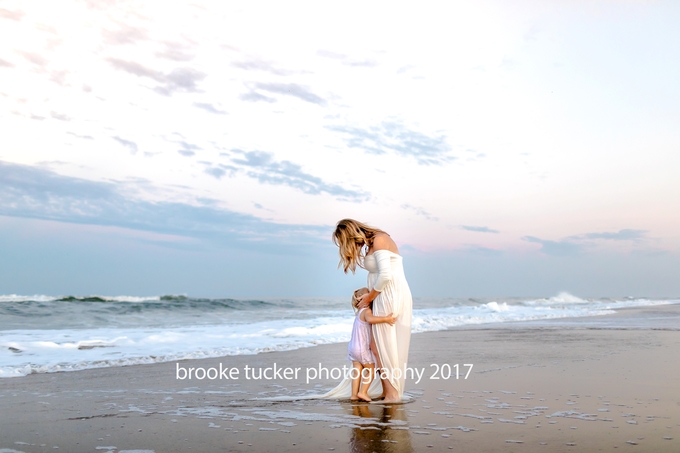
(386, 274)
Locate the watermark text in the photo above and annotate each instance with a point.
(275, 372)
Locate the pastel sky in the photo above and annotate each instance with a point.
(208, 148)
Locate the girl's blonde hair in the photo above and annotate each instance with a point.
(355, 298)
(350, 236)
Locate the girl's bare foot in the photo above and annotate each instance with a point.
(354, 398)
(364, 397)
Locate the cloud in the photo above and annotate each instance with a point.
(132, 146)
(555, 248)
(405, 68)
(479, 229)
(136, 69)
(59, 77)
(653, 253)
(256, 97)
(262, 166)
(575, 244)
(260, 65)
(474, 155)
(367, 63)
(219, 170)
(209, 108)
(35, 58)
(215, 172)
(101, 5)
(125, 34)
(331, 54)
(479, 250)
(86, 137)
(393, 136)
(420, 212)
(179, 79)
(259, 206)
(177, 52)
(287, 89)
(11, 15)
(344, 59)
(5, 64)
(188, 149)
(60, 116)
(621, 235)
(33, 192)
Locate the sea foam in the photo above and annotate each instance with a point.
(46, 334)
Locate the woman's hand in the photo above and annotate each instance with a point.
(364, 301)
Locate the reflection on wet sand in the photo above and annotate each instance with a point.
(389, 433)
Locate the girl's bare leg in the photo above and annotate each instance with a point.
(356, 382)
(367, 375)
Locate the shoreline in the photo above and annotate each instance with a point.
(89, 350)
(534, 386)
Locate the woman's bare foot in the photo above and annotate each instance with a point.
(390, 393)
(391, 397)
(364, 397)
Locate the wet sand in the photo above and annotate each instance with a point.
(588, 384)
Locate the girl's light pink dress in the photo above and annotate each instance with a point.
(359, 348)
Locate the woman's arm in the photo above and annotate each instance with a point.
(370, 318)
(382, 242)
(382, 258)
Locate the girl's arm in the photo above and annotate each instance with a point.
(370, 318)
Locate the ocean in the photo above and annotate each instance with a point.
(42, 334)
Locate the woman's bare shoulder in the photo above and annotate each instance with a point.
(383, 241)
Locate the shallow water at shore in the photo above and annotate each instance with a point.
(47, 334)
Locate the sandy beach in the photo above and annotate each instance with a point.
(581, 384)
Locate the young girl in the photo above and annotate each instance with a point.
(359, 348)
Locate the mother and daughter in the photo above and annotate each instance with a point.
(382, 328)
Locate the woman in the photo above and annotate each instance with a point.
(389, 292)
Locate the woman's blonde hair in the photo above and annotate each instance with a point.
(350, 236)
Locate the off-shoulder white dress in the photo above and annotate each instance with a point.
(386, 275)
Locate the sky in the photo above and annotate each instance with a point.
(208, 148)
